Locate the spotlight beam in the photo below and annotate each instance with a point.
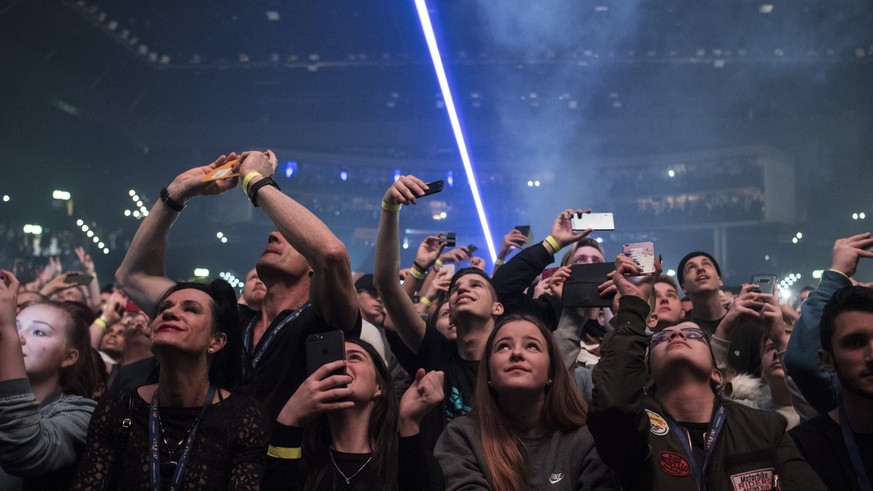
(429, 36)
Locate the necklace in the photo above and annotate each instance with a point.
(348, 478)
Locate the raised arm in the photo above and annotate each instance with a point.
(141, 273)
(408, 325)
(332, 291)
(818, 386)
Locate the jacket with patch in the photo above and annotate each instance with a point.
(632, 435)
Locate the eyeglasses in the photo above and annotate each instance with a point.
(687, 333)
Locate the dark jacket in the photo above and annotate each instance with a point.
(632, 435)
(511, 279)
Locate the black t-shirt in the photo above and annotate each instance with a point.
(135, 374)
(820, 441)
(282, 366)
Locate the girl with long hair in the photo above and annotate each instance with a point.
(349, 432)
(528, 428)
(47, 376)
(194, 429)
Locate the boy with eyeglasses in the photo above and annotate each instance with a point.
(659, 421)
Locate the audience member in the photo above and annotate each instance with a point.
(683, 435)
(47, 378)
(345, 427)
(700, 277)
(527, 428)
(839, 443)
(304, 266)
(192, 429)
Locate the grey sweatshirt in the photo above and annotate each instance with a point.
(40, 442)
(556, 461)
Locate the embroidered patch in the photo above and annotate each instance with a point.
(757, 480)
(657, 423)
(674, 464)
(556, 477)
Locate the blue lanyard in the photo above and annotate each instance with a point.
(269, 337)
(709, 443)
(155, 445)
(854, 453)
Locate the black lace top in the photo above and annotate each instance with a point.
(229, 452)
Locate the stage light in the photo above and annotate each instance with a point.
(6, 198)
(430, 38)
(671, 173)
(344, 176)
(290, 168)
(79, 222)
(671, 272)
(131, 193)
(816, 274)
(127, 213)
(201, 272)
(32, 229)
(61, 195)
(450, 179)
(219, 235)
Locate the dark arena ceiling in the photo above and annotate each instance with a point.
(759, 111)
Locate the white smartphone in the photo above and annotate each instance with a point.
(596, 221)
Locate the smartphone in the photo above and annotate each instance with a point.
(766, 282)
(324, 348)
(449, 238)
(596, 221)
(580, 290)
(548, 273)
(448, 267)
(471, 249)
(78, 278)
(525, 229)
(433, 188)
(642, 253)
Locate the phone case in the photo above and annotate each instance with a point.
(580, 290)
(324, 348)
(643, 253)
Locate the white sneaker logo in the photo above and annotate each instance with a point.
(556, 477)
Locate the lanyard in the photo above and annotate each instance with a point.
(269, 337)
(854, 453)
(709, 443)
(155, 446)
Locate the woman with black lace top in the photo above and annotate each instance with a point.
(347, 431)
(188, 431)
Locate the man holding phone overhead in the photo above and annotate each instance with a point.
(304, 267)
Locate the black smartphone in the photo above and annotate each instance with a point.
(78, 278)
(580, 290)
(324, 348)
(449, 238)
(433, 188)
(766, 282)
(471, 249)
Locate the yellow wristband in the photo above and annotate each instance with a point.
(102, 323)
(247, 179)
(286, 453)
(552, 242)
(390, 208)
(439, 262)
(418, 275)
(426, 301)
(499, 262)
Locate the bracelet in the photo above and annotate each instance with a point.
(419, 267)
(418, 275)
(439, 262)
(286, 453)
(170, 202)
(499, 262)
(253, 191)
(844, 275)
(247, 179)
(426, 301)
(389, 207)
(100, 321)
(552, 242)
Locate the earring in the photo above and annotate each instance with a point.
(549, 383)
(489, 382)
(210, 350)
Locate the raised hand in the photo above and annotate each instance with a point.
(425, 393)
(848, 251)
(319, 393)
(562, 229)
(190, 183)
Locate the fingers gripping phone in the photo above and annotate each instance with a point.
(324, 348)
(643, 254)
